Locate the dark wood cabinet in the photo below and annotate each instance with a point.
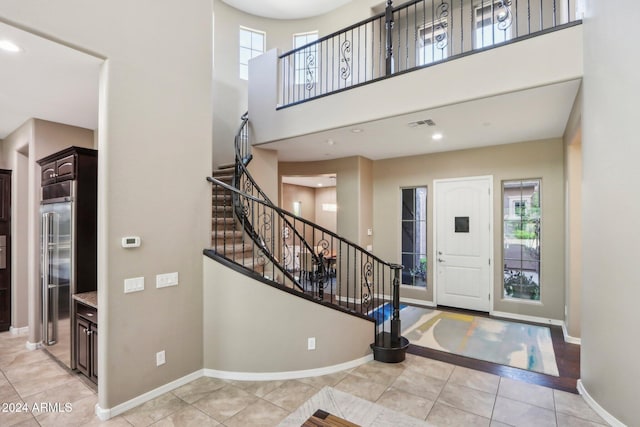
(58, 170)
(5, 249)
(86, 345)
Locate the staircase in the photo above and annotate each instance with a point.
(258, 238)
(227, 236)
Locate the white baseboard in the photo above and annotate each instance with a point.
(613, 421)
(33, 345)
(423, 303)
(19, 331)
(290, 375)
(106, 413)
(525, 318)
(568, 338)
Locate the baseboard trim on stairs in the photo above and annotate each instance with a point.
(289, 375)
(568, 338)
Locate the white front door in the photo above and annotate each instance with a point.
(463, 242)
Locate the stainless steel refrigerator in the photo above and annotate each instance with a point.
(58, 283)
(68, 242)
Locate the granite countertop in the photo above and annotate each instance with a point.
(88, 298)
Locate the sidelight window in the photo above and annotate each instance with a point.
(414, 236)
(521, 238)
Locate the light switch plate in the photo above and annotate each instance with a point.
(168, 279)
(134, 284)
(311, 343)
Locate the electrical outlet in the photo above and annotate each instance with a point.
(311, 343)
(160, 359)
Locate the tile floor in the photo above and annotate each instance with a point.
(440, 393)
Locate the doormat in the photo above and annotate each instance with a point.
(507, 343)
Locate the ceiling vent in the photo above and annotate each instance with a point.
(427, 122)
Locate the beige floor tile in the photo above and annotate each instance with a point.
(328, 380)
(258, 388)
(470, 400)
(7, 392)
(188, 416)
(475, 379)
(41, 368)
(406, 403)
(198, 389)
(261, 413)
(443, 416)
(79, 413)
(50, 376)
(224, 403)
(383, 373)
(291, 394)
(21, 357)
(565, 420)
(428, 367)
(424, 386)
(31, 422)
(522, 414)
(528, 393)
(574, 405)
(361, 387)
(69, 392)
(495, 423)
(15, 413)
(154, 410)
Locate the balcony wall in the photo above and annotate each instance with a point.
(537, 61)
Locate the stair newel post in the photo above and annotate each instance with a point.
(390, 347)
(395, 320)
(388, 23)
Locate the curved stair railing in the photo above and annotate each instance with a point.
(294, 253)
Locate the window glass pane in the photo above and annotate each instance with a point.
(245, 38)
(245, 55)
(257, 41)
(521, 239)
(244, 72)
(414, 236)
(251, 45)
(306, 60)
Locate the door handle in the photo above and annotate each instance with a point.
(440, 260)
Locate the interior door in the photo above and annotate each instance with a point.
(463, 246)
(5, 250)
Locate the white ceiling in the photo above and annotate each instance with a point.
(46, 80)
(286, 9)
(533, 114)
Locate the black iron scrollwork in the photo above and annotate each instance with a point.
(503, 16)
(310, 67)
(367, 275)
(440, 29)
(345, 52)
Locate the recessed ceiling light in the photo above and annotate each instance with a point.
(356, 130)
(319, 184)
(330, 141)
(437, 136)
(9, 46)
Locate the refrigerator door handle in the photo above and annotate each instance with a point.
(45, 276)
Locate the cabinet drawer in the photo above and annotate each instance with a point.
(87, 312)
(66, 168)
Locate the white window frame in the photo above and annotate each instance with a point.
(251, 49)
(427, 34)
(487, 34)
(300, 59)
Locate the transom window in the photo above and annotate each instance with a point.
(521, 238)
(414, 236)
(252, 44)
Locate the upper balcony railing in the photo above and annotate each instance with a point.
(414, 35)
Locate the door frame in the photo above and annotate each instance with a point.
(434, 207)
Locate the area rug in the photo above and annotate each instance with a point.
(507, 343)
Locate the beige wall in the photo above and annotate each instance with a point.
(353, 181)
(573, 212)
(326, 219)
(297, 193)
(155, 152)
(275, 325)
(536, 159)
(611, 208)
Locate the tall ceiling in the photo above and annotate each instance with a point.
(286, 9)
(46, 80)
